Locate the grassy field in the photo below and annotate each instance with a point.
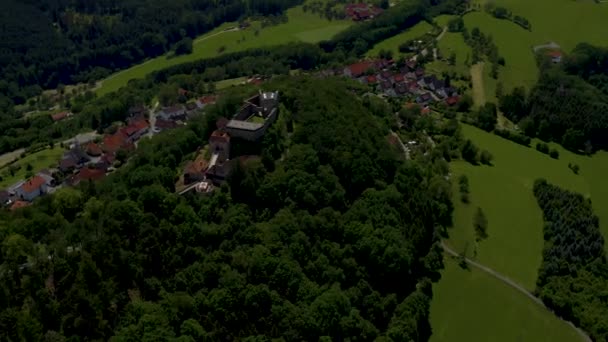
(469, 305)
(39, 160)
(229, 82)
(514, 44)
(301, 26)
(393, 42)
(565, 22)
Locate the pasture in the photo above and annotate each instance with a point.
(514, 44)
(40, 160)
(470, 305)
(565, 22)
(301, 26)
(392, 43)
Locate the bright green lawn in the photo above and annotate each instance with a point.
(504, 192)
(443, 19)
(301, 26)
(230, 82)
(40, 160)
(565, 22)
(393, 42)
(452, 43)
(514, 44)
(473, 306)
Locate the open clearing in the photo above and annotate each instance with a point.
(39, 161)
(307, 27)
(479, 97)
(393, 42)
(470, 305)
(565, 22)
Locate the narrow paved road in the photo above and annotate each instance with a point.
(514, 285)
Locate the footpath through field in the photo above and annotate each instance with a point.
(513, 284)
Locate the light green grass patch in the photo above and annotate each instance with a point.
(443, 19)
(474, 306)
(504, 192)
(393, 42)
(40, 160)
(230, 82)
(565, 22)
(301, 26)
(514, 44)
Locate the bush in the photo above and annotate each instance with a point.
(554, 154)
(574, 167)
(542, 148)
(486, 157)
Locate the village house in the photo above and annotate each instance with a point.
(88, 174)
(60, 116)
(135, 130)
(74, 158)
(176, 112)
(358, 69)
(205, 101)
(361, 11)
(424, 99)
(115, 142)
(32, 188)
(556, 56)
(93, 150)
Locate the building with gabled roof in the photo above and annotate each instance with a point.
(32, 188)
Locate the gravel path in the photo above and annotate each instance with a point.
(514, 285)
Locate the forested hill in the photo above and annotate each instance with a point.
(47, 42)
(331, 237)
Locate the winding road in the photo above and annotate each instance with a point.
(514, 285)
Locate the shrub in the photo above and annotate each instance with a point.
(515, 137)
(542, 148)
(486, 157)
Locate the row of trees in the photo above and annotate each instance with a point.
(334, 240)
(574, 271)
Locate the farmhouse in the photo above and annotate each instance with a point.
(60, 116)
(177, 112)
(32, 188)
(254, 117)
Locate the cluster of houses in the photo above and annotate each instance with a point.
(249, 124)
(174, 116)
(408, 80)
(82, 162)
(362, 11)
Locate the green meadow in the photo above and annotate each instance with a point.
(40, 160)
(504, 192)
(393, 42)
(470, 305)
(565, 22)
(301, 26)
(514, 44)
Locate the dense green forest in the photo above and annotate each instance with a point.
(569, 104)
(573, 277)
(335, 238)
(45, 43)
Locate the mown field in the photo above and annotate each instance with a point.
(392, 43)
(470, 305)
(40, 160)
(301, 26)
(565, 22)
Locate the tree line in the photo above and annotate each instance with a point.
(574, 272)
(333, 239)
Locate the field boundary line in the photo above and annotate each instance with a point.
(514, 285)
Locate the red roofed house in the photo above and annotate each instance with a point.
(398, 78)
(32, 188)
(113, 143)
(452, 100)
(357, 69)
(135, 130)
(60, 116)
(371, 79)
(206, 100)
(93, 149)
(87, 174)
(19, 205)
(556, 56)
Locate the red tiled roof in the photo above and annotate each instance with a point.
(33, 184)
(399, 78)
(90, 174)
(360, 68)
(114, 142)
(452, 100)
(208, 99)
(372, 79)
(425, 110)
(219, 136)
(134, 127)
(19, 204)
(93, 149)
(555, 53)
(59, 116)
